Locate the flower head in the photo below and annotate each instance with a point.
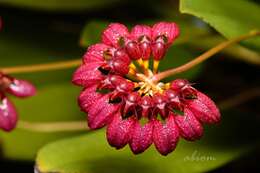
(18, 88)
(120, 91)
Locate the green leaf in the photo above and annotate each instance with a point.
(56, 98)
(231, 18)
(59, 5)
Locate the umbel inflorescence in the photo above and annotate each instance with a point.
(122, 93)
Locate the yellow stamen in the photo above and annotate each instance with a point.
(140, 62)
(132, 66)
(167, 86)
(146, 64)
(155, 66)
(132, 71)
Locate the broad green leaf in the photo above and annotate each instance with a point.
(92, 153)
(56, 96)
(231, 18)
(59, 5)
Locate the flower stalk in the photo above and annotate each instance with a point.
(42, 67)
(204, 56)
(50, 127)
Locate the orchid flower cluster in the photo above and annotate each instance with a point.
(18, 88)
(123, 93)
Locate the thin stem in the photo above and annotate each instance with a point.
(42, 67)
(50, 127)
(204, 56)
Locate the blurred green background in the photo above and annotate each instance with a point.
(43, 31)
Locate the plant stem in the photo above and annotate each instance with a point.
(50, 127)
(203, 57)
(42, 67)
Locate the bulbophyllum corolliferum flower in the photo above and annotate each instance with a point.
(18, 88)
(120, 91)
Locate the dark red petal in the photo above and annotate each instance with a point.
(121, 55)
(95, 53)
(21, 88)
(190, 128)
(178, 84)
(158, 49)
(119, 67)
(173, 99)
(119, 131)
(204, 109)
(165, 136)
(131, 101)
(145, 48)
(88, 97)
(140, 31)
(146, 103)
(87, 74)
(168, 29)
(101, 113)
(141, 137)
(8, 115)
(160, 102)
(133, 50)
(113, 33)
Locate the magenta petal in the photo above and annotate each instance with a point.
(168, 29)
(141, 30)
(101, 113)
(87, 74)
(204, 109)
(8, 115)
(113, 33)
(190, 128)
(95, 53)
(141, 137)
(88, 97)
(165, 136)
(21, 88)
(119, 131)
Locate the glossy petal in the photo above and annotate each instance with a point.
(101, 113)
(88, 97)
(190, 128)
(8, 115)
(113, 33)
(160, 102)
(87, 74)
(119, 131)
(139, 31)
(165, 136)
(21, 88)
(147, 104)
(95, 53)
(119, 67)
(168, 29)
(142, 137)
(204, 109)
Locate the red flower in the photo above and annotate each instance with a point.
(137, 110)
(18, 88)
